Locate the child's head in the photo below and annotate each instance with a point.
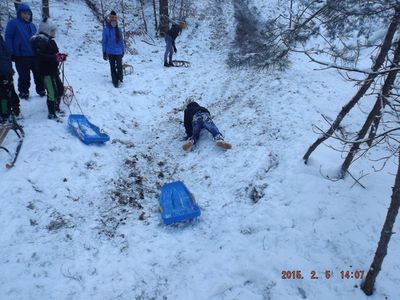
(112, 17)
(47, 27)
(182, 25)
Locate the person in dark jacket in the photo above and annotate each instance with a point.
(18, 34)
(197, 118)
(113, 48)
(9, 101)
(49, 57)
(170, 38)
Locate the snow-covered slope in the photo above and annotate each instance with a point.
(70, 213)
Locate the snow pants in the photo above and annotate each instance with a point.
(24, 66)
(55, 90)
(9, 100)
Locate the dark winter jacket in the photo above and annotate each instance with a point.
(45, 48)
(191, 109)
(173, 32)
(19, 32)
(6, 70)
(110, 44)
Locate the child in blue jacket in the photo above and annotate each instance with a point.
(113, 48)
(18, 34)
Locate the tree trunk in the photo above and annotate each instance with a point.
(17, 3)
(123, 21)
(45, 9)
(155, 16)
(102, 13)
(164, 26)
(143, 16)
(376, 111)
(386, 233)
(385, 47)
(181, 15)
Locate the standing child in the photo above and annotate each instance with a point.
(18, 33)
(46, 50)
(170, 38)
(197, 118)
(113, 48)
(9, 101)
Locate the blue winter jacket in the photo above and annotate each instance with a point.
(19, 32)
(5, 60)
(110, 45)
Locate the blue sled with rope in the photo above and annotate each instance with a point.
(78, 124)
(177, 203)
(87, 132)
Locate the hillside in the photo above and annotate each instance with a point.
(70, 213)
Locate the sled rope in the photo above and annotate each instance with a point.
(69, 94)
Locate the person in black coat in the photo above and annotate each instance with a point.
(9, 100)
(197, 118)
(47, 53)
(170, 38)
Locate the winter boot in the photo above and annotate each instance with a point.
(41, 93)
(189, 143)
(166, 64)
(51, 106)
(58, 109)
(219, 142)
(24, 95)
(170, 64)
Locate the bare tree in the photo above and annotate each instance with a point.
(380, 59)
(386, 233)
(45, 9)
(164, 19)
(155, 16)
(17, 4)
(143, 16)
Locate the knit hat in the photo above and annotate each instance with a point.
(113, 13)
(47, 27)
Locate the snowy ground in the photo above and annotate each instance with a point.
(70, 213)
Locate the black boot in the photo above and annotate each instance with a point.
(51, 106)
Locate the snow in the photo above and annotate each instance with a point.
(64, 237)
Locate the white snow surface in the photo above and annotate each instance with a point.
(64, 237)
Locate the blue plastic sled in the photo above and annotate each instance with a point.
(86, 131)
(177, 203)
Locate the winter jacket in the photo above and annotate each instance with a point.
(191, 109)
(173, 32)
(45, 49)
(110, 45)
(6, 70)
(19, 32)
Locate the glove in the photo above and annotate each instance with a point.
(175, 50)
(61, 57)
(105, 56)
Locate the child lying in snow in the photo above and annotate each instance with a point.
(196, 118)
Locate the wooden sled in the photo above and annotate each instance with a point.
(5, 128)
(127, 69)
(181, 63)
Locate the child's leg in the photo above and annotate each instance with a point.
(210, 126)
(4, 98)
(14, 100)
(119, 68)
(198, 125)
(51, 94)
